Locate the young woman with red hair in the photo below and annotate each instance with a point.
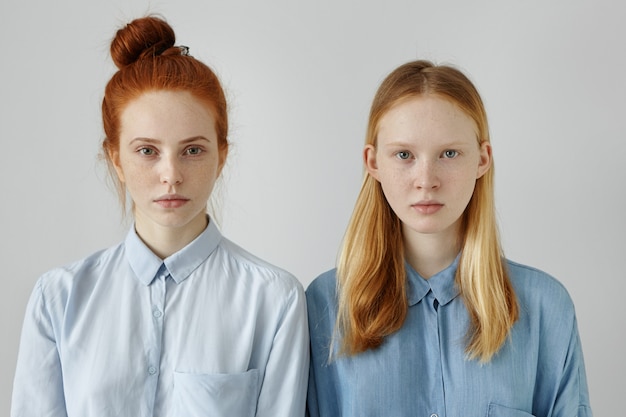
(176, 320)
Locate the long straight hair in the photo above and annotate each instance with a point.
(372, 281)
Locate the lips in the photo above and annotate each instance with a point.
(171, 201)
(427, 207)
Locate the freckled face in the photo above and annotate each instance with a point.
(427, 160)
(168, 159)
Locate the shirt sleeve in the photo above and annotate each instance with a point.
(323, 403)
(38, 383)
(323, 390)
(572, 398)
(283, 393)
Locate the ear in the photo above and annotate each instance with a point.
(484, 162)
(222, 155)
(369, 159)
(114, 157)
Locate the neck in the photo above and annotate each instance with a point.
(165, 241)
(429, 254)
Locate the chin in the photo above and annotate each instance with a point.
(426, 228)
(175, 220)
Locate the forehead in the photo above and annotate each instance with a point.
(426, 117)
(166, 114)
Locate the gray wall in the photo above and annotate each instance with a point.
(300, 78)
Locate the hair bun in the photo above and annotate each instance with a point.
(146, 36)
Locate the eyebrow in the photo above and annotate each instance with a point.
(397, 143)
(401, 143)
(157, 141)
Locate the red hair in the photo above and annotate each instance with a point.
(147, 60)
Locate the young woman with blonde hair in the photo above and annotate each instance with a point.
(176, 320)
(423, 315)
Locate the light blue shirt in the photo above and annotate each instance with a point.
(422, 370)
(209, 331)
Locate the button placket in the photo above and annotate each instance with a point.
(439, 393)
(154, 343)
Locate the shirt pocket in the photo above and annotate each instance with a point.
(216, 394)
(496, 410)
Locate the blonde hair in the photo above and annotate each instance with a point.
(371, 275)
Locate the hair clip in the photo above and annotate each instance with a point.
(184, 50)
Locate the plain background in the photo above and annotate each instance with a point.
(300, 77)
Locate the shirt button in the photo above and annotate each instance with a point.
(434, 415)
(157, 313)
(152, 370)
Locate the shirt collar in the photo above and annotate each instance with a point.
(442, 284)
(145, 264)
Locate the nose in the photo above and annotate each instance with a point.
(426, 175)
(170, 171)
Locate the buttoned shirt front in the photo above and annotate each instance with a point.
(423, 370)
(210, 330)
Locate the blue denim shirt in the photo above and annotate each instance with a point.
(422, 369)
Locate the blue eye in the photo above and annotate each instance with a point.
(194, 150)
(450, 153)
(403, 154)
